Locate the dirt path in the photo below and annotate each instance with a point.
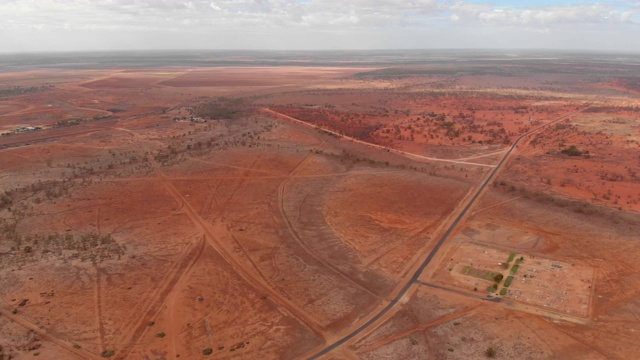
(98, 305)
(483, 155)
(399, 152)
(174, 331)
(43, 334)
(254, 280)
(440, 321)
(298, 239)
(174, 278)
(257, 282)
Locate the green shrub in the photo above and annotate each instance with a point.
(508, 281)
(108, 353)
(514, 269)
(572, 151)
(490, 352)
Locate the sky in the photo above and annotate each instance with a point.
(88, 25)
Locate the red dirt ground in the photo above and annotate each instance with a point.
(265, 236)
(257, 76)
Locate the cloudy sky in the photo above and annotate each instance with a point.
(68, 25)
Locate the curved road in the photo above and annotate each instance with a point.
(444, 237)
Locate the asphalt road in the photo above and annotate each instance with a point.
(435, 250)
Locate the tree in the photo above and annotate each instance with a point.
(572, 151)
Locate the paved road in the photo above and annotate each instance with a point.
(444, 237)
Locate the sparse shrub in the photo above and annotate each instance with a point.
(572, 151)
(108, 353)
(161, 334)
(207, 351)
(490, 352)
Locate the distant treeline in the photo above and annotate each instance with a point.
(19, 90)
(221, 108)
(609, 109)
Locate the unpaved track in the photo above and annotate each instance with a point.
(43, 334)
(172, 297)
(399, 152)
(175, 276)
(98, 301)
(436, 322)
(298, 239)
(248, 275)
(254, 280)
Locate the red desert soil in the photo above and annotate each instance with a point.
(257, 76)
(149, 218)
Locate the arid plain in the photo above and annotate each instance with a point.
(445, 210)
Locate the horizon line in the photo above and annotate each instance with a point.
(516, 50)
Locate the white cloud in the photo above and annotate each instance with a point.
(575, 14)
(91, 24)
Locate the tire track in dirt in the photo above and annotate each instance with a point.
(165, 288)
(440, 321)
(298, 239)
(98, 297)
(266, 177)
(273, 173)
(223, 207)
(259, 284)
(253, 279)
(211, 200)
(98, 221)
(500, 203)
(395, 151)
(483, 155)
(581, 341)
(171, 300)
(245, 253)
(45, 335)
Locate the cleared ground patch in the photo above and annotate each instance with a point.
(549, 284)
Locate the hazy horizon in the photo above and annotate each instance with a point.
(309, 58)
